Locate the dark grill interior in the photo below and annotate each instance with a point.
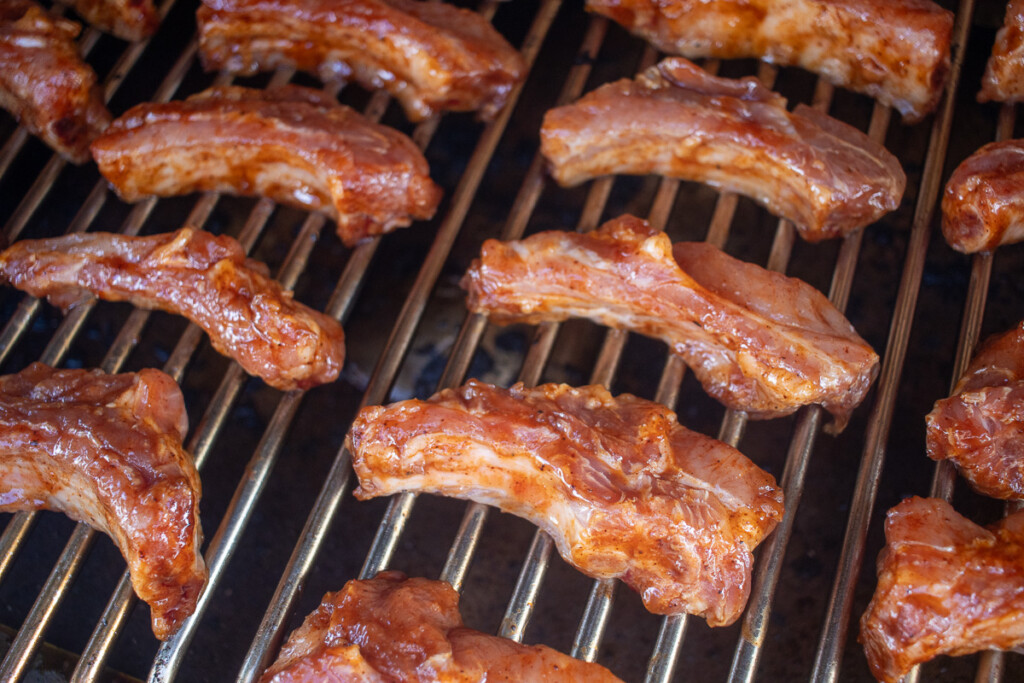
(271, 461)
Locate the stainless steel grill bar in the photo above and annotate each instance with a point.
(755, 622)
(833, 635)
(412, 310)
(61, 577)
(169, 657)
(44, 182)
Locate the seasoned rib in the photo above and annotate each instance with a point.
(45, 84)
(945, 586)
(392, 628)
(430, 56)
(675, 119)
(757, 340)
(205, 278)
(126, 19)
(983, 206)
(621, 487)
(1004, 74)
(981, 426)
(291, 144)
(106, 450)
(896, 51)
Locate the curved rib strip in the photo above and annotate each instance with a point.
(291, 144)
(758, 341)
(621, 487)
(431, 56)
(205, 278)
(106, 450)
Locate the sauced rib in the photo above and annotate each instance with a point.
(126, 19)
(675, 119)
(622, 488)
(1004, 74)
(981, 426)
(106, 450)
(292, 144)
(983, 205)
(945, 586)
(45, 84)
(205, 278)
(897, 51)
(431, 56)
(393, 628)
(758, 341)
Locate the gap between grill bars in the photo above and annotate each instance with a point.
(662, 649)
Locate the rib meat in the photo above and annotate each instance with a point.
(291, 144)
(757, 340)
(106, 450)
(983, 206)
(392, 628)
(896, 51)
(1004, 74)
(621, 487)
(945, 586)
(675, 119)
(203, 277)
(431, 56)
(981, 426)
(126, 19)
(45, 84)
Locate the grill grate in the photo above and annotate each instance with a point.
(474, 163)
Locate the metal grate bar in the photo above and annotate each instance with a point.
(833, 635)
(44, 182)
(412, 310)
(755, 622)
(29, 636)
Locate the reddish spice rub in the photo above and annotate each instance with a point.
(292, 144)
(981, 426)
(106, 450)
(945, 586)
(1004, 74)
(983, 205)
(205, 278)
(126, 19)
(431, 56)
(393, 628)
(757, 340)
(675, 119)
(897, 51)
(45, 84)
(622, 488)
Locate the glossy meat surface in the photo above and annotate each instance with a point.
(1004, 74)
(981, 426)
(896, 51)
(106, 450)
(205, 278)
(126, 19)
(291, 144)
(983, 205)
(758, 341)
(945, 586)
(431, 56)
(624, 490)
(675, 119)
(45, 84)
(393, 628)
